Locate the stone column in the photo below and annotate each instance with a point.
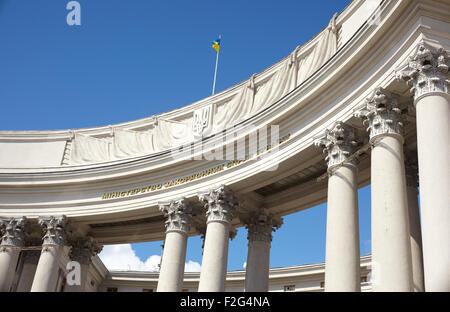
(260, 225)
(427, 72)
(220, 204)
(11, 243)
(342, 258)
(54, 240)
(30, 261)
(391, 247)
(178, 214)
(414, 223)
(82, 251)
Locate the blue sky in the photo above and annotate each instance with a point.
(132, 59)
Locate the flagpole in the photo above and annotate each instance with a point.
(215, 71)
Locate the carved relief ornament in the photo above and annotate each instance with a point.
(84, 248)
(260, 226)
(381, 114)
(178, 214)
(13, 233)
(220, 203)
(55, 230)
(338, 143)
(426, 71)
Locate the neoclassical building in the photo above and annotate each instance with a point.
(366, 101)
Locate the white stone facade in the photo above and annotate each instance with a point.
(371, 91)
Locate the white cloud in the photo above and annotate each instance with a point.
(192, 266)
(123, 258)
(244, 265)
(152, 263)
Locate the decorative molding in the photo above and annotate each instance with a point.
(192, 177)
(55, 229)
(178, 214)
(220, 204)
(426, 71)
(339, 143)
(381, 114)
(83, 249)
(260, 225)
(13, 232)
(202, 121)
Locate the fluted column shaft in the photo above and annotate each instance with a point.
(11, 243)
(342, 260)
(258, 264)
(433, 137)
(427, 73)
(46, 275)
(220, 204)
(215, 258)
(8, 262)
(391, 248)
(171, 274)
(260, 226)
(342, 257)
(414, 226)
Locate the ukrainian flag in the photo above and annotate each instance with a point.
(216, 45)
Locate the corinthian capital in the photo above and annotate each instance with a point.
(55, 230)
(260, 225)
(220, 204)
(83, 249)
(338, 143)
(13, 232)
(426, 71)
(381, 114)
(178, 214)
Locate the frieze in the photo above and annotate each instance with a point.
(189, 178)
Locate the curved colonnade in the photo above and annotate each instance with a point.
(378, 107)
